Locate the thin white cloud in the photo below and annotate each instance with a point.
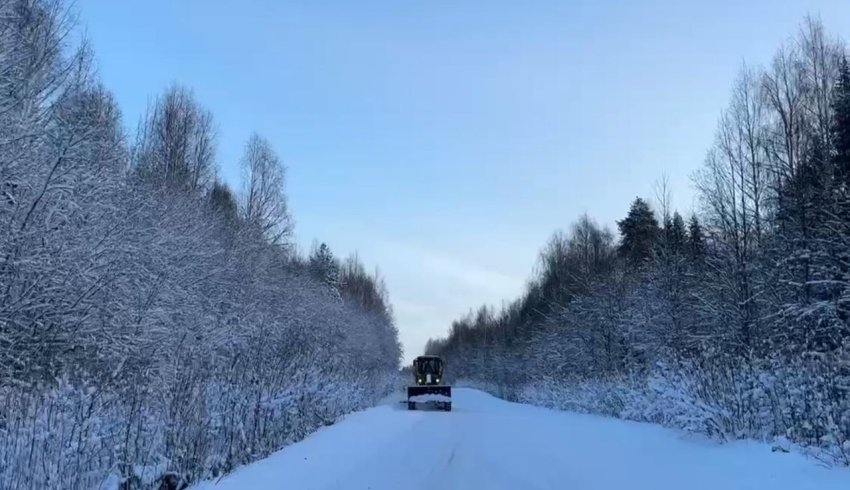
(429, 288)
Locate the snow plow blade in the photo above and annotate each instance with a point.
(429, 396)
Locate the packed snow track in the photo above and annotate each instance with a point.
(490, 444)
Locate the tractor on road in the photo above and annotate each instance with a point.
(429, 390)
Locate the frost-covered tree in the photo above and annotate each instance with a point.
(324, 265)
(263, 197)
(175, 147)
(841, 124)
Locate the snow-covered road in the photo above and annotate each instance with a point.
(489, 444)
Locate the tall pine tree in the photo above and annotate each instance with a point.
(640, 232)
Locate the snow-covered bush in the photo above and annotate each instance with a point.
(494, 389)
(80, 438)
(801, 402)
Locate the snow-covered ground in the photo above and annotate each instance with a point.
(487, 443)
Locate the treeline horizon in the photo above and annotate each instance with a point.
(734, 321)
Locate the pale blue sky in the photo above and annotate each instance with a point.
(446, 140)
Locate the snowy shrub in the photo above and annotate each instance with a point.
(79, 438)
(727, 399)
(494, 389)
(621, 397)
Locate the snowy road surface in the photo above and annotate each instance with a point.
(490, 444)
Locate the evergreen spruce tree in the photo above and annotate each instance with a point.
(696, 238)
(674, 234)
(640, 232)
(223, 203)
(324, 266)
